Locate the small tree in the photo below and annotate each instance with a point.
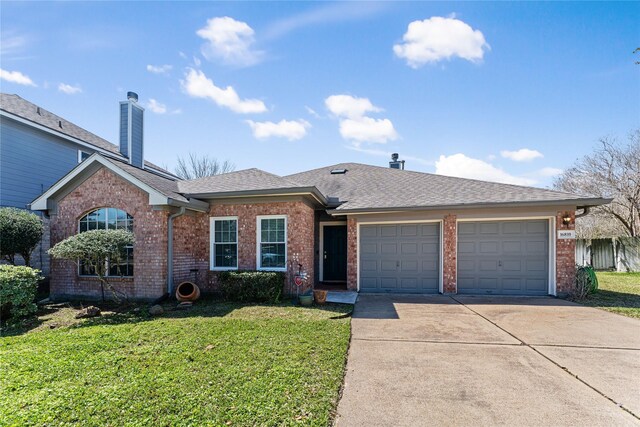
(20, 233)
(196, 166)
(612, 171)
(94, 249)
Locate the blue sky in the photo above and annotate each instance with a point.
(512, 92)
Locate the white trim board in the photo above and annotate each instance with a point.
(321, 244)
(391, 222)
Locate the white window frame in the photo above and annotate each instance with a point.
(212, 242)
(80, 274)
(259, 219)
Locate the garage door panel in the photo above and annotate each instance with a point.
(466, 247)
(368, 248)
(511, 247)
(409, 248)
(409, 230)
(512, 227)
(488, 247)
(430, 230)
(388, 231)
(400, 258)
(513, 261)
(489, 228)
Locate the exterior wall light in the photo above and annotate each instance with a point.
(566, 219)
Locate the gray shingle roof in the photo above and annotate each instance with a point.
(239, 181)
(166, 186)
(18, 106)
(365, 187)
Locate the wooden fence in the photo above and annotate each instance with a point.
(620, 253)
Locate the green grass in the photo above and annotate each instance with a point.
(217, 364)
(618, 293)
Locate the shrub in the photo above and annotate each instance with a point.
(251, 286)
(18, 286)
(21, 231)
(586, 282)
(94, 248)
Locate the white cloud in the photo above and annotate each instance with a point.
(467, 167)
(438, 38)
(349, 106)
(387, 154)
(197, 85)
(16, 77)
(521, 155)
(11, 43)
(549, 172)
(69, 89)
(229, 40)
(367, 129)
(156, 106)
(289, 129)
(312, 112)
(159, 69)
(354, 125)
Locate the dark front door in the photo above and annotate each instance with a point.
(334, 256)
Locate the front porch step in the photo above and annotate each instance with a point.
(342, 297)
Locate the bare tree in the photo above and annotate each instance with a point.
(199, 166)
(612, 171)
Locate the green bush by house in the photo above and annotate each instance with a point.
(21, 232)
(18, 286)
(251, 286)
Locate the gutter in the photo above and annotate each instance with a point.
(291, 191)
(579, 203)
(170, 249)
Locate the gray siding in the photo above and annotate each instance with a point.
(30, 162)
(124, 125)
(137, 130)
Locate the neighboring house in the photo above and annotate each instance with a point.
(37, 148)
(367, 228)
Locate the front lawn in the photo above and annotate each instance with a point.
(217, 364)
(618, 292)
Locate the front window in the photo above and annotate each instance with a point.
(108, 219)
(272, 242)
(224, 243)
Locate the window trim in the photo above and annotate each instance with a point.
(108, 264)
(212, 254)
(259, 219)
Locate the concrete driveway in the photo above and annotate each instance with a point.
(437, 360)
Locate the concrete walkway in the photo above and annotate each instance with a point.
(436, 360)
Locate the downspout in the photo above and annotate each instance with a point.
(170, 250)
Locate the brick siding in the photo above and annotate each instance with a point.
(450, 255)
(565, 256)
(105, 189)
(352, 254)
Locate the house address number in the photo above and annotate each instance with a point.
(566, 234)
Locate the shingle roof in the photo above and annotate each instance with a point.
(166, 186)
(18, 106)
(365, 187)
(239, 181)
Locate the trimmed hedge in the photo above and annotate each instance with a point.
(251, 286)
(18, 286)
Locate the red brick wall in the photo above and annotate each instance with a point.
(191, 249)
(565, 255)
(352, 254)
(300, 235)
(450, 254)
(105, 189)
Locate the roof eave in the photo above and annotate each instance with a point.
(290, 191)
(579, 203)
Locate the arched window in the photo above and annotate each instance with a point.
(109, 219)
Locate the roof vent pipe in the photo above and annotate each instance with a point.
(395, 163)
